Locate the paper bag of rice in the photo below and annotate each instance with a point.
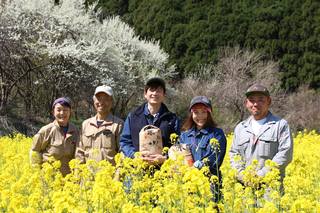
(181, 149)
(150, 140)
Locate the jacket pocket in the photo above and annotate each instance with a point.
(56, 148)
(243, 145)
(268, 146)
(87, 139)
(203, 144)
(106, 139)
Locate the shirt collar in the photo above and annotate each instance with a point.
(247, 123)
(71, 128)
(194, 132)
(146, 110)
(107, 121)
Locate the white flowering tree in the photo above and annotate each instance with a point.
(76, 51)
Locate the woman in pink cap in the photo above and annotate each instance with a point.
(57, 139)
(207, 142)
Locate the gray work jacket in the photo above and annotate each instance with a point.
(273, 142)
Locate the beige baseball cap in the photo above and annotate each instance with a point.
(105, 89)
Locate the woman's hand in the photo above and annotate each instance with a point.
(198, 164)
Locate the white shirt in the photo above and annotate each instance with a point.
(256, 125)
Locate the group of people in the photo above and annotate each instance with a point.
(262, 136)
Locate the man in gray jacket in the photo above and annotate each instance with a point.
(262, 136)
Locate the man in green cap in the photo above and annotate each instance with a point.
(262, 136)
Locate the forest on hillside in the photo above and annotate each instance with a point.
(218, 48)
(192, 31)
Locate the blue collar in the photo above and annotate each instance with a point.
(194, 132)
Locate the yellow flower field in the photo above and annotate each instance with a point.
(132, 186)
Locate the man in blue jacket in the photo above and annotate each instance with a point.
(153, 112)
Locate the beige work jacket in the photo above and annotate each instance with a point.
(51, 141)
(99, 142)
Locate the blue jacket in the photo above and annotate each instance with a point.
(199, 141)
(167, 121)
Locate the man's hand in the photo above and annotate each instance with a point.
(154, 159)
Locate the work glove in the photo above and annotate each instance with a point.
(198, 164)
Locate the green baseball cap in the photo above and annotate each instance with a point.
(257, 88)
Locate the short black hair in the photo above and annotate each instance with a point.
(155, 83)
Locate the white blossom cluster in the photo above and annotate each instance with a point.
(117, 56)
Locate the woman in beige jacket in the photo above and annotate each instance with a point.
(57, 139)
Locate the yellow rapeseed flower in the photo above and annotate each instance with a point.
(174, 138)
(173, 187)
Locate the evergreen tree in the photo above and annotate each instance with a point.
(191, 31)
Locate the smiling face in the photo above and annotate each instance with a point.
(258, 105)
(199, 116)
(154, 95)
(102, 103)
(61, 114)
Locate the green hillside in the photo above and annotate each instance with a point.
(191, 31)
